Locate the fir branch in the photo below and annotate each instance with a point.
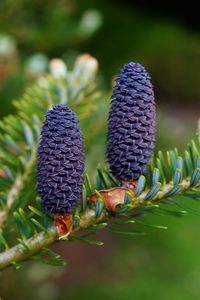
(14, 192)
(19, 134)
(170, 175)
(43, 239)
(32, 246)
(87, 220)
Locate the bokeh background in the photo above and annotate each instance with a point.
(162, 264)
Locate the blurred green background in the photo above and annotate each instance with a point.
(162, 264)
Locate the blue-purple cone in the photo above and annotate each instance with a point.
(60, 161)
(131, 123)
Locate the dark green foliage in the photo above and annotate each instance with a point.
(159, 192)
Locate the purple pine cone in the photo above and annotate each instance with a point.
(131, 128)
(60, 161)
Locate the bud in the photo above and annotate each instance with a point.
(8, 46)
(58, 68)
(85, 67)
(198, 127)
(90, 22)
(36, 65)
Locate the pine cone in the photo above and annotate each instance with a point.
(131, 123)
(61, 161)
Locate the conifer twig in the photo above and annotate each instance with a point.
(15, 191)
(43, 239)
(88, 219)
